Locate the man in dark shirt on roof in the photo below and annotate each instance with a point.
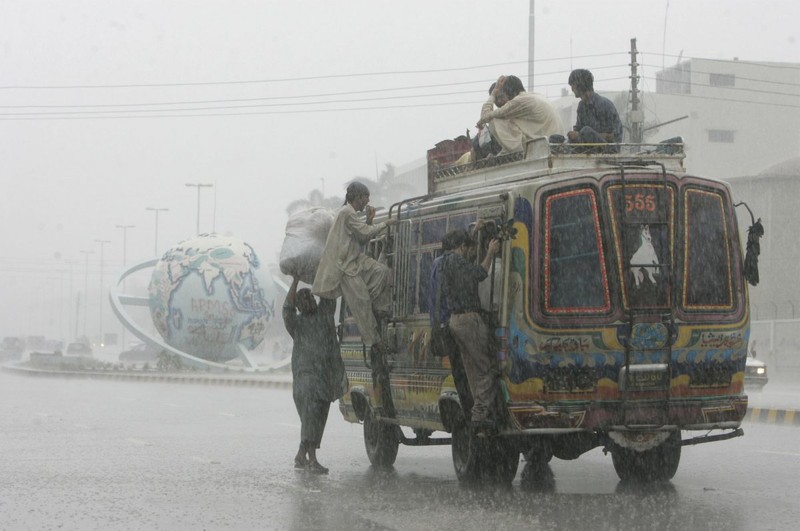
(598, 119)
(460, 279)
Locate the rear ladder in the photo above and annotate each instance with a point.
(642, 313)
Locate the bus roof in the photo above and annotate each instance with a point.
(539, 159)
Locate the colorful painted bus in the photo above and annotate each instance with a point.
(618, 302)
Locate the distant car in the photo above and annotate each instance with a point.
(12, 349)
(755, 374)
(79, 349)
(141, 352)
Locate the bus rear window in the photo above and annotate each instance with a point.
(707, 257)
(575, 280)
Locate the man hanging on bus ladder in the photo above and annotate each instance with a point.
(317, 368)
(460, 280)
(364, 282)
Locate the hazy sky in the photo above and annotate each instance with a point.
(269, 100)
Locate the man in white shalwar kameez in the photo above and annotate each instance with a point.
(364, 282)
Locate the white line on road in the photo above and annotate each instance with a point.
(139, 442)
(793, 454)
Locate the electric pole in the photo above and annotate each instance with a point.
(636, 115)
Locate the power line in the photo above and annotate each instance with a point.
(294, 79)
(329, 94)
(225, 107)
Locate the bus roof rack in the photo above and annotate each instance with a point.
(541, 158)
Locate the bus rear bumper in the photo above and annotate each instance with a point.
(685, 414)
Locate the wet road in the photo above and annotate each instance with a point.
(84, 454)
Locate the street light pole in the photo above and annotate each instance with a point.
(156, 210)
(70, 263)
(125, 242)
(102, 245)
(86, 289)
(198, 186)
(124, 263)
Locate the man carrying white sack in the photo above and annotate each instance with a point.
(364, 282)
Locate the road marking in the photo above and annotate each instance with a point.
(204, 460)
(225, 414)
(792, 454)
(139, 442)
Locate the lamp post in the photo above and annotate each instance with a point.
(102, 246)
(156, 210)
(125, 242)
(198, 186)
(124, 263)
(85, 289)
(70, 263)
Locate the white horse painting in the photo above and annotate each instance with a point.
(645, 254)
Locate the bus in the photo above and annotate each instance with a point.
(618, 303)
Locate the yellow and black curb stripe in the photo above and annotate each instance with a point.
(211, 379)
(786, 417)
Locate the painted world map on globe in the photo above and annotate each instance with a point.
(209, 297)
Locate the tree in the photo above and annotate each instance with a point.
(315, 199)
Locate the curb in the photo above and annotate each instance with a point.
(230, 381)
(785, 417)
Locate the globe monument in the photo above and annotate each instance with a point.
(210, 299)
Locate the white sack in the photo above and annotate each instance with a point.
(306, 233)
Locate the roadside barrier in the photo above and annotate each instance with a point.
(786, 417)
(225, 379)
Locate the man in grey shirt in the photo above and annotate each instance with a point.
(598, 119)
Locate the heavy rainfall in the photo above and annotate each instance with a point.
(544, 330)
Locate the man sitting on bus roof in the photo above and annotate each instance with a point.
(460, 279)
(520, 116)
(598, 119)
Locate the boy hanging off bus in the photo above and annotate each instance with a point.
(460, 279)
(364, 282)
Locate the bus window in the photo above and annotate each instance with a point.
(707, 257)
(642, 219)
(575, 280)
(462, 221)
(433, 230)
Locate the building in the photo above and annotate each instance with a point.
(775, 302)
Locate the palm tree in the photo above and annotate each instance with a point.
(387, 189)
(315, 199)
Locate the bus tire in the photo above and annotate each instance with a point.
(658, 464)
(465, 448)
(501, 461)
(380, 440)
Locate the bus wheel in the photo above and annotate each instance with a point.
(658, 464)
(380, 440)
(501, 461)
(466, 452)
